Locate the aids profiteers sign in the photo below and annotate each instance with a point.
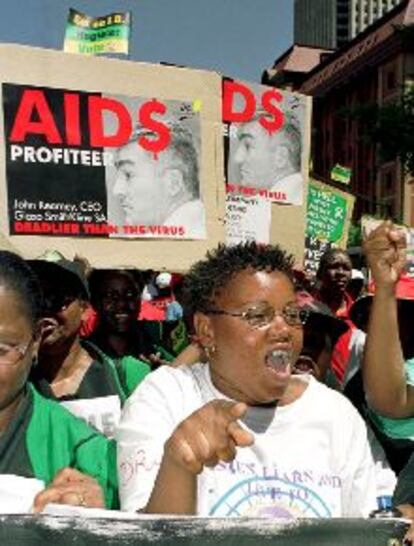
(66, 185)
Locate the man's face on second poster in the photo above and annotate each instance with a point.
(253, 156)
(138, 185)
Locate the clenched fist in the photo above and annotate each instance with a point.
(385, 252)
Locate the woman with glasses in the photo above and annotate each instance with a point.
(240, 435)
(41, 444)
(84, 378)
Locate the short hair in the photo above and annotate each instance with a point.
(181, 150)
(208, 277)
(98, 276)
(290, 131)
(327, 258)
(17, 276)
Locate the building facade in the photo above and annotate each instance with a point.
(371, 69)
(332, 23)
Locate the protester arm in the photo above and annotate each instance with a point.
(208, 436)
(383, 363)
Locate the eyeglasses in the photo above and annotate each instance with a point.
(54, 303)
(261, 316)
(10, 355)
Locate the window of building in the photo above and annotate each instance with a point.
(391, 80)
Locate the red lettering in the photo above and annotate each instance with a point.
(72, 119)
(164, 137)
(230, 88)
(97, 136)
(34, 101)
(278, 116)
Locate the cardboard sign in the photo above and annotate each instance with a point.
(266, 130)
(94, 36)
(329, 212)
(64, 151)
(108, 175)
(73, 114)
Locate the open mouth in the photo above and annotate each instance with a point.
(279, 360)
(304, 365)
(49, 326)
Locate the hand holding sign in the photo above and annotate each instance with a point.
(71, 487)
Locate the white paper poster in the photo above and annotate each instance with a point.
(247, 219)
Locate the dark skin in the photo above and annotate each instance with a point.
(334, 278)
(16, 328)
(117, 304)
(239, 369)
(62, 359)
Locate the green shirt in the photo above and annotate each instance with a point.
(43, 438)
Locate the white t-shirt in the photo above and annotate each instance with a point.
(310, 458)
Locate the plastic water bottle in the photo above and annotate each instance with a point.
(385, 509)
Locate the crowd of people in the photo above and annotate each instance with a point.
(257, 394)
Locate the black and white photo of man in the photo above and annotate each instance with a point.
(269, 161)
(161, 190)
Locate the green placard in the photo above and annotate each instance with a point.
(326, 213)
(107, 34)
(341, 174)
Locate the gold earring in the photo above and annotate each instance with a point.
(210, 350)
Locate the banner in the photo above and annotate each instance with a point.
(329, 213)
(94, 36)
(369, 223)
(266, 141)
(82, 164)
(247, 219)
(89, 527)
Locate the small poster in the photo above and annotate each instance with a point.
(247, 219)
(265, 141)
(328, 217)
(94, 36)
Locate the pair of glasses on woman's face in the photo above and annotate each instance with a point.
(11, 355)
(56, 302)
(260, 316)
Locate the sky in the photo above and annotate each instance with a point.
(239, 38)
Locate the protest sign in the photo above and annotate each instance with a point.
(247, 219)
(103, 528)
(94, 36)
(369, 223)
(341, 174)
(267, 141)
(64, 120)
(329, 213)
(114, 177)
(68, 150)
